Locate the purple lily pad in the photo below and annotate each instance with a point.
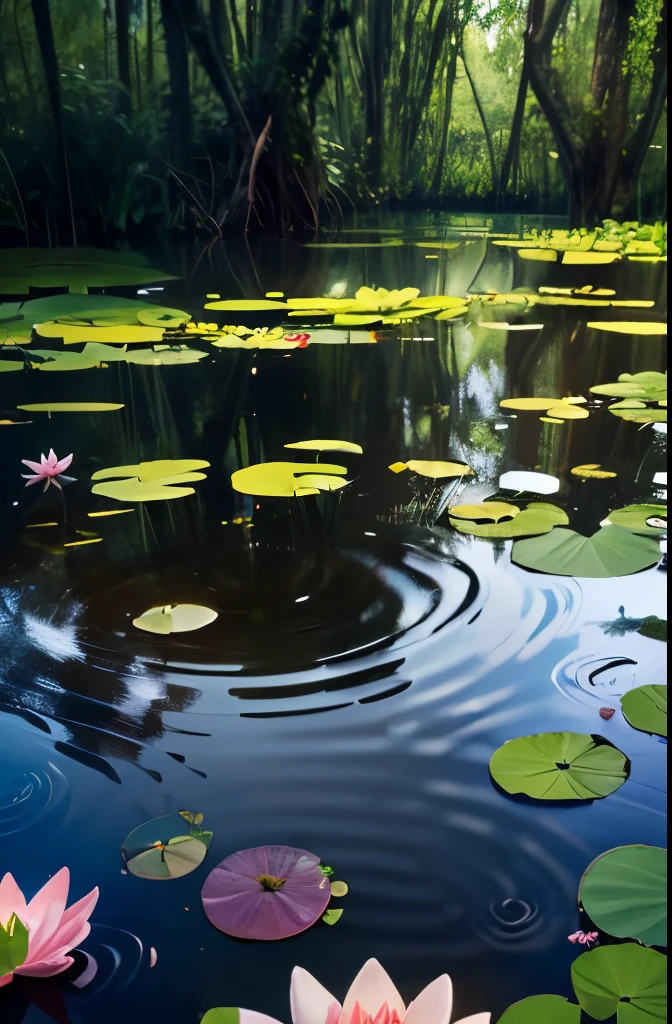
(269, 892)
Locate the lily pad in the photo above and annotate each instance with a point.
(150, 481)
(72, 407)
(77, 334)
(628, 326)
(165, 848)
(538, 1009)
(434, 470)
(650, 520)
(592, 471)
(77, 269)
(537, 518)
(559, 766)
(648, 386)
(645, 708)
(627, 979)
(268, 893)
(612, 551)
(177, 618)
(654, 628)
(327, 446)
(624, 893)
(287, 479)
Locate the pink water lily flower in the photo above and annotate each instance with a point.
(372, 999)
(48, 468)
(584, 938)
(52, 930)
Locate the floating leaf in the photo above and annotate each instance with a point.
(650, 520)
(649, 386)
(538, 1009)
(559, 766)
(150, 481)
(612, 551)
(627, 979)
(449, 314)
(72, 407)
(654, 628)
(255, 305)
(537, 518)
(327, 446)
(645, 708)
(109, 512)
(491, 510)
(162, 848)
(540, 255)
(539, 404)
(76, 334)
(592, 471)
(165, 355)
(628, 327)
(178, 618)
(285, 479)
(92, 355)
(229, 1015)
(589, 257)
(270, 892)
(566, 411)
(331, 916)
(11, 365)
(436, 245)
(77, 269)
(434, 470)
(624, 892)
(339, 889)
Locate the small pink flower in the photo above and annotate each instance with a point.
(584, 938)
(47, 469)
(52, 930)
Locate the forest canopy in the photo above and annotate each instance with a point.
(168, 115)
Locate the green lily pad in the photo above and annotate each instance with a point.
(627, 979)
(559, 766)
(535, 1009)
(222, 1015)
(635, 518)
(332, 916)
(612, 551)
(164, 847)
(654, 628)
(624, 893)
(13, 945)
(77, 269)
(537, 518)
(645, 708)
(649, 386)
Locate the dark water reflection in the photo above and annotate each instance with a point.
(366, 660)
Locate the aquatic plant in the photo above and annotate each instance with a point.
(267, 893)
(49, 468)
(584, 938)
(372, 997)
(163, 848)
(624, 893)
(52, 931)
(638, 393)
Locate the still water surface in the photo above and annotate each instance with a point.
(366, 661)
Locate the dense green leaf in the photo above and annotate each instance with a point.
(559, 766)
(538, 1009)
(624, 893)
(645, 708)
(627, 979)
(612, 551)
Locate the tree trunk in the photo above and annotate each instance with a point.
(201, 40)
(45, 37)
(237, 31)
(22, 55)
(221, 30)
(150, 43)
(512, 158)
(178, 74)
(122, 15)
(486, 130)
(451, 75)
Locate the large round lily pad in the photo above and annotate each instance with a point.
(539, 517)
(535, 1009)
(626, 979)
(559, 766)
(645, 708)
(624, 893)
(612, 551)
(269, 892)
(650, 520)
(167, 847)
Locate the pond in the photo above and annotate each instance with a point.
(369, 654)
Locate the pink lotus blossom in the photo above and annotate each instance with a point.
(52, 930)
(372, 999)
(48, 468)
(584, 938)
